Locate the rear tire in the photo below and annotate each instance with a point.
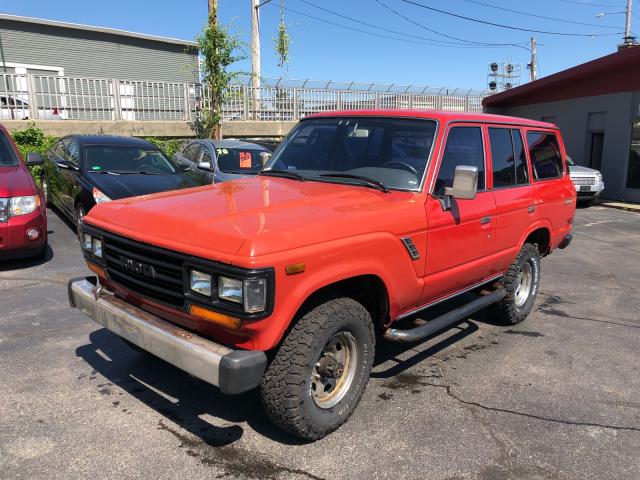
(321, 369)
(521, 281)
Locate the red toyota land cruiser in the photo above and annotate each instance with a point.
(285, 281)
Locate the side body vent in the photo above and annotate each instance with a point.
(411, 248)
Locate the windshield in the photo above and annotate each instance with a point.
(570, 162)
(392, 152)
(8, 157)
(116, 159)
(239, 160)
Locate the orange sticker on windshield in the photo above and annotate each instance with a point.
(245, 159)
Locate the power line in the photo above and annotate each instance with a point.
(591, 4)
(509, 27)
(484, 44)
(379, 34)
(538, 16)
(465, 42)
(430, 29)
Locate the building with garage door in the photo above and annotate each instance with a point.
(597, 107)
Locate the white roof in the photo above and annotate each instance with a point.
(91, 28)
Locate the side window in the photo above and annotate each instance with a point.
(507, 157)
(544, 151)
(192, 152)
(464, 147)
(73, 150)
(206, 156)
(522, 171)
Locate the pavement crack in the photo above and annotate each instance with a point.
(451, 394)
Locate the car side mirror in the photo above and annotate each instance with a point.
(265, 157)
(34, 159)
(204, 165)
(465, 186)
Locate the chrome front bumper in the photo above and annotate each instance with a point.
(233, 371)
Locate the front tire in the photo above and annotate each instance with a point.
(521, 281)
(320, 371)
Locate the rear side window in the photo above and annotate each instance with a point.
(544, 151)
(464, 147)
(508, 158)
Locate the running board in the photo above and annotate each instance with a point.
(445, 321)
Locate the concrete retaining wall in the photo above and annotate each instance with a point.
(179, 129)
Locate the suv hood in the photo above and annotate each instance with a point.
(16, 182)
(578, 170)
(259, 215)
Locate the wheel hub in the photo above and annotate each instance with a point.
(333, 373)
(524, 282)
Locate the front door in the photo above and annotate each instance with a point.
(459, 240)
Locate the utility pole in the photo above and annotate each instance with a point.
(533, 66)
(255, 57)
(627, 29)
(213, 10)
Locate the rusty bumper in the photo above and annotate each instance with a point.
(233, 371)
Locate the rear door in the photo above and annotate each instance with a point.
(513, 195)
(459, 240)
(553, 189)
(70, 177)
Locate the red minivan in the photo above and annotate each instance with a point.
(23, 217)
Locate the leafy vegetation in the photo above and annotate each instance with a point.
(282, 40)
(33, 139)
(220, 49)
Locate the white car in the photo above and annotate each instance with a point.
(588, 182)
(17, 108)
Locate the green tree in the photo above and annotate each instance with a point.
(219, 49)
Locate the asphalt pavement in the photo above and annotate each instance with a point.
(554, 397)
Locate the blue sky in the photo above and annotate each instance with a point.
(324, 51)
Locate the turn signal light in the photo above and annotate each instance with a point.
(97, 270)
(215, 317)
(295, 268)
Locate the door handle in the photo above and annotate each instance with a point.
(485, 220)
(531, 209)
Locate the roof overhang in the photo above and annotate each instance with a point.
(91, 28)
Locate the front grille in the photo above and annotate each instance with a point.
(148, 271)
(584, 180)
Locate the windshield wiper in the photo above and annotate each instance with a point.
(283, 174)
(369, 181)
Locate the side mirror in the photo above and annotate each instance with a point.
(265, 157)
(465, 183)
(465, 186)
(34, 159)
(204, 165)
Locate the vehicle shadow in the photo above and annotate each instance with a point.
(185, 400)
(175, 394)
(19, 264)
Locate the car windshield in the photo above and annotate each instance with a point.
(117, 159)
(8, 157)
(239, 160)
(570, 162)
(386, 153)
